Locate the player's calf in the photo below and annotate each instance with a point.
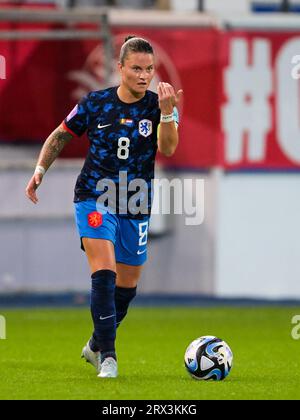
(103, 311)
(123, 297)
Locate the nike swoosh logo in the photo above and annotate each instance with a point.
(141, 252)
(103, 126)
(105, 317)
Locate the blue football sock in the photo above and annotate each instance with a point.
(123, 297)
(103, 311)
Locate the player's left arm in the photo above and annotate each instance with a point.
(168, 135)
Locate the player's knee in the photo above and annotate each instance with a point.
(127, 282)
(102, 266)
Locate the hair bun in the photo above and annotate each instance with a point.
(129, 37)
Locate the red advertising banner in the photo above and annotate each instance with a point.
(241, 92)
(259, 107)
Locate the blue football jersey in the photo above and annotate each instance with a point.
(123, 140)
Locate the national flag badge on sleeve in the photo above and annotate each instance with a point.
(95, 219)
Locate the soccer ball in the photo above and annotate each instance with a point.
(208, 357)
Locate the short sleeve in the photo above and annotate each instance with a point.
(77, 121)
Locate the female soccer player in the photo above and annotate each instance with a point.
(125, 126)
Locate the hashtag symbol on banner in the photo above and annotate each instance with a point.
(248, 88)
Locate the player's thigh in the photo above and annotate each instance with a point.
(128, 275)
(100, 254)
(97, 232)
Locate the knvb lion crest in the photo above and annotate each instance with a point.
(95, 219)
(145, 128)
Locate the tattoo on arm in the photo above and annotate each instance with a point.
(53, 146)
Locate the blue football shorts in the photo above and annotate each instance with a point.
(129, 236)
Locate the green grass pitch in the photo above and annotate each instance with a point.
(40, 358)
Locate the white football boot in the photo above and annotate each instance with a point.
(109, 368)
(91, 356)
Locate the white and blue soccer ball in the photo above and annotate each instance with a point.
(208, 357)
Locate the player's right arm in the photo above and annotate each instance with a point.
(50, 150)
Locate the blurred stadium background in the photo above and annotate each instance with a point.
(239, 132)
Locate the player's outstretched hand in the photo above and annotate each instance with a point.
(168, 98)
(32, 185)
